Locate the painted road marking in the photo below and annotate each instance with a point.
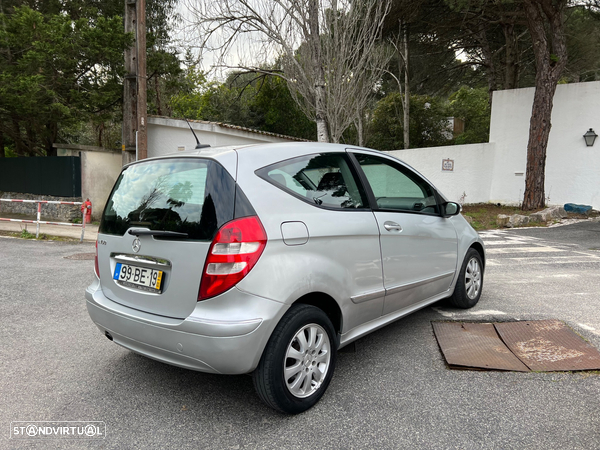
(503, 242)
(539, 249)
(540, 261)
(486, 312)
(483, 312)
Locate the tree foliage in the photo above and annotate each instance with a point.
(472, 106)
(61, 68)
(428, 123)
(327, 50)
(166, 77)
(54, 70)
(582, 29)
(245, 99)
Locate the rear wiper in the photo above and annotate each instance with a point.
(147, 232)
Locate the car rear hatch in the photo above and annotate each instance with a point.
(156, 231)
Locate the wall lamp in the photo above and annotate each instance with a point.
(590, 137)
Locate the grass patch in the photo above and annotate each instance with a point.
(484, 215)
(24, 234)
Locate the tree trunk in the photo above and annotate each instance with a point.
(20, 149)
(50, 150)
(406, 103)
(318, 73)
(52, 129)
(488, 58)
(2, 153)
(550, 59)
(539, 129)
(100, 133)
(511, 68)
(359, 128)
(157, 89)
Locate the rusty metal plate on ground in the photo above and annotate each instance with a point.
(548, 345)
(82, 256)
(475, 345)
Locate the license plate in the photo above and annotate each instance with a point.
(149, 280)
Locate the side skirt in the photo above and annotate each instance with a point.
(380, 322)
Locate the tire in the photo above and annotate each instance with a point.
(303, 343)
(470, 282)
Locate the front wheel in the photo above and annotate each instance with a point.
(470, 281)
(298, 362)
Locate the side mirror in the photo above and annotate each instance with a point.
(451, 209)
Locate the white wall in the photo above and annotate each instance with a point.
(472, 166)
(99, 171)
(496, 171)
(572, 169)
(166, 135)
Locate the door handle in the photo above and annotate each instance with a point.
(392, 226)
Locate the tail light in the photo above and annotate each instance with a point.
(96, 268)
(232, 254)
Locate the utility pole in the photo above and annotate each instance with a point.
(135, 134)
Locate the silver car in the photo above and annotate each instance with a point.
(268, 259)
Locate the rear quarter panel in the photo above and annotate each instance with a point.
(341, 258)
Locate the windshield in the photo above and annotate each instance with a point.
(184, 195)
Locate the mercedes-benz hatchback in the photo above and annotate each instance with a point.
(267, 259)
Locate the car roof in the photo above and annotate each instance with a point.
(265, 153)
(275, 151)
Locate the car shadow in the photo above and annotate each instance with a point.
(200, 395)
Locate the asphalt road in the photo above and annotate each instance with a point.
(395, 391)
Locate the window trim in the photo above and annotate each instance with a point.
(394, 163)
(263, 174)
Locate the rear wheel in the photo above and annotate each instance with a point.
(470, 282)
(298, 362)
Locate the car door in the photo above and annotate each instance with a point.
(418, 245)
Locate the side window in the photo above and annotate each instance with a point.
(323, 179)
(396, 187)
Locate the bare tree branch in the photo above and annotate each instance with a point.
(327, 50)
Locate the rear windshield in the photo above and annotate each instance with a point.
(186, 195)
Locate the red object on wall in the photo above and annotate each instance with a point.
(87, 207)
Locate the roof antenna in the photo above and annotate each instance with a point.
(198, 144)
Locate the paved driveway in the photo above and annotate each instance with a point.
(393, 392)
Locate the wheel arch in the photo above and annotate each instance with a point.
(327, 304)
(479, 248)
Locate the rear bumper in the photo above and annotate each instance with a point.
(203, 341)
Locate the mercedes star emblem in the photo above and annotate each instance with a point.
(136, 245)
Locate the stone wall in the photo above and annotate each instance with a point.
(50, 211)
